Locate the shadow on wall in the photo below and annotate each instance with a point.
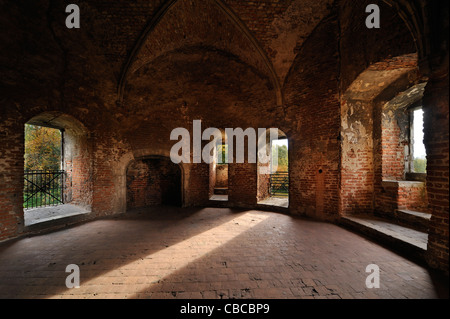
(153, 182)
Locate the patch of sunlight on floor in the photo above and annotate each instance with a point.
(163, 263)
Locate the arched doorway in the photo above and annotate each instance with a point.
(273, 173)
(380, 141)
(153, 181)
(58, 169)
(218, 170)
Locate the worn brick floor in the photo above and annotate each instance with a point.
(208, 253)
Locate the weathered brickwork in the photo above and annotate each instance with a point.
(395, 195)
(136, 70)
(153, 182)
(263, 181)
(436, 103)
(314, 145)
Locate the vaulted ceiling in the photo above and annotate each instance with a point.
(262, 35)
(238, 50)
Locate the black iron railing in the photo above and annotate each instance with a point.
(43, 188)
(279, 184)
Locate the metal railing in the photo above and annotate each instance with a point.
(43, 188)
(279, 184)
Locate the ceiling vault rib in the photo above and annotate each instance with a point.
(140, 42)
(232, 17)
(242, 26)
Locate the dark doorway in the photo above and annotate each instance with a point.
(153, 182)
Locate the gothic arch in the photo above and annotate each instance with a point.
(250, 52)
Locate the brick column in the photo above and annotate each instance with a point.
(436, 105)
(11, 179)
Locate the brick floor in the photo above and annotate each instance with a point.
(210, 253)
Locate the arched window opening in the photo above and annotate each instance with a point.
(218, 171)
(43, 175)
(418, 154)
(153, 181)
(57, 170)
(273, 175)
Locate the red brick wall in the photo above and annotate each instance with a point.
(109, 173)
(78, 168)
(436, 117)
(391, 139)
(413, 196)
(242, 184)
(361, 47)
(153, 182)
(263, 181)
(196, 185)
(143, 185)
(395, 195)
(11, 179)
(393, 152)
(222, 176)
(357, 162)
(312, 123)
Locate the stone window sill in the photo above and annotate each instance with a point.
(400, 184)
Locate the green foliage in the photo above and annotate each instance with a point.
(283, 162)
(420, 165)
(283, 158)
(42, 148)
(222, 154)
(40, 199)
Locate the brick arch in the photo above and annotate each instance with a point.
(360, 47)
(412, 14)
(375, 137)
(59, 120)
(361, 131)
(209, 23)
(153, 181)
(77, 156)
(195, 83)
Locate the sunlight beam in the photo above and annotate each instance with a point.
(153, 268)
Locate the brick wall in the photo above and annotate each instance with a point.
(312, 123)
(357, 163)
(11, 179)
(78, 168)
(393, 150)
(436, 117)
(222, 176)
(153, 182)
(242, 185)
(360, 47)
(263, 181)
(396, 195)
(196, 185)
(375, 133)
